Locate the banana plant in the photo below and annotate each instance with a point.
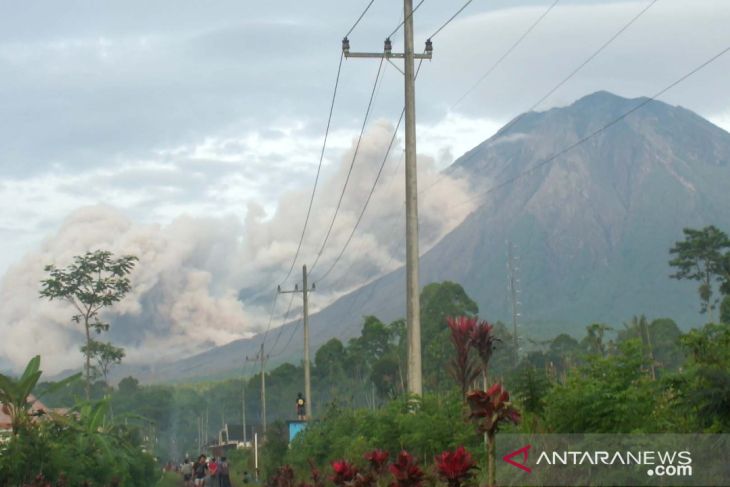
(16, 394)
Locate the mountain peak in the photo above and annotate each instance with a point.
(604, 98)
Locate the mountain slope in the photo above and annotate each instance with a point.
(592, 228)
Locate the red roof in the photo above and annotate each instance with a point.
(5, 422)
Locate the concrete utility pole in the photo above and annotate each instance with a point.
(200, 435)
(413, 307)
(514, 283)
(243, 407)
(307, 373)
(262, 358)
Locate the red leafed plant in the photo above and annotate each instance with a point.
(492, 408)
(284, 477)
(343, 472)
(489, 410)
(482, 340)
(455, 467)
(39, 481)
(315, 474)
(463, 368)
(377, 459)
(405, 471)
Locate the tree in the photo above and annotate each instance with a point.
(706, 388)
(373, 343)
(612, 394)
(564, 351)
(105, 355)
(593, 341)
(385, 374)
(128, 385)
(725, 310)
(329, 360)
(439, 300)
(93, 282)
(531, 386)
(700, 257)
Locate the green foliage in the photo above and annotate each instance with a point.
(275, 448)
(169, 479)
(93, 281)
(348, 433)
(704, 389)
(439, 301)
(82, 446)
(104, 354)
(725, 310)
(701, 257)
(241, 462)
(612, 394)
(645, 377)
(128, 385)
(531, 385)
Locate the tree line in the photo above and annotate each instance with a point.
(645, 375)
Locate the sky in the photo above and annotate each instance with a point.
(189, 133)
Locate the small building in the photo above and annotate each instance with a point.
(232, 437)
(37, 410)
(295, 427)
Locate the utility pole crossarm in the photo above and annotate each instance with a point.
(378, 55)
(387, 52)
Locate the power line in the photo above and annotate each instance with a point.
(598, 131)
(352, 165)
(449, 21)
(288, 342)
(596, 53)
(367, 201)
(505, 55)
(271, 316)
(561, 83)
(319, 170)
(319, 167)
(283, 322)
(404, 20)
(359, 19)
(584, 139)
(372, 188)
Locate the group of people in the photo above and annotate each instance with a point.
(206, 472)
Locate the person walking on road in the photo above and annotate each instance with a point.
(213, 472)
(224, 474)
(187, 472)
(200, 471)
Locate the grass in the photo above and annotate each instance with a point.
(169, 479)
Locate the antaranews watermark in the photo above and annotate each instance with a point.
(614, 460)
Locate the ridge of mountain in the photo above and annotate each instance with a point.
(592, 228)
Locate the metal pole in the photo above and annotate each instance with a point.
(256, 455)
(413, 312)
(263, 391)
(307, 376)
(513, 295)
(243, 408)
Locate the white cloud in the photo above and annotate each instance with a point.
(182, 117)
(186, 285)
(669, 40)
